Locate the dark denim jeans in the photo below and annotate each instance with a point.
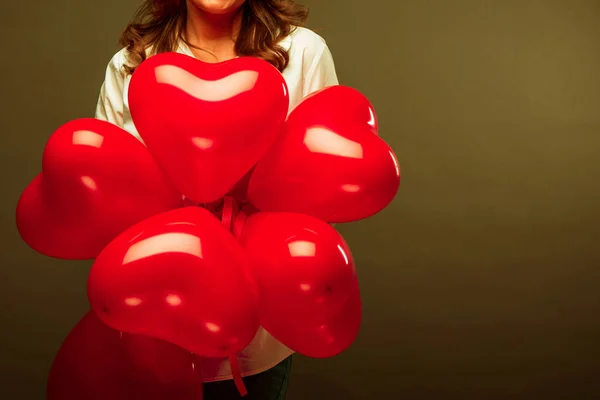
(269, 385)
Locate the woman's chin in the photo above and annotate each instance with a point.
(218, 7)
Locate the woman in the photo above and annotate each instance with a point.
(215, 31)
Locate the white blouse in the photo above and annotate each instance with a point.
(310, 68)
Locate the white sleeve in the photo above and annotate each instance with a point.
(110, 101)
(321, 72)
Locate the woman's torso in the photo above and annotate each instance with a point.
(305, 49)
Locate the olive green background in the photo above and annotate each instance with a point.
(480, 281)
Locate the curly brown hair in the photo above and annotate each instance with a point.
(159, 25)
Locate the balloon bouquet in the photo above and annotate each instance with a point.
(218, 223)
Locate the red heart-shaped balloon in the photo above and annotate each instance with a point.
(301, 265)
(328, 162)
(309, 297)
(355, 107)
(180, 277)
(322, 340)
(96, 362)
(96, 181)
(207, 124)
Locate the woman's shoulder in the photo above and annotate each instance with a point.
(306, 37)
(118, 61)
(122, 58)
(303, 40)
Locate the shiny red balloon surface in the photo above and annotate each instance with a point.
(350, 105)
(309, 298)
(180, 277)
(326, 339)
(207, 124)
(96, 181)
(301, 265)
(328, 162)
(96, 362)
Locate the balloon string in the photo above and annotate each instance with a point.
(237, 375)
(239, 222)
(227, 218)
(197, 370)
(227, 213)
